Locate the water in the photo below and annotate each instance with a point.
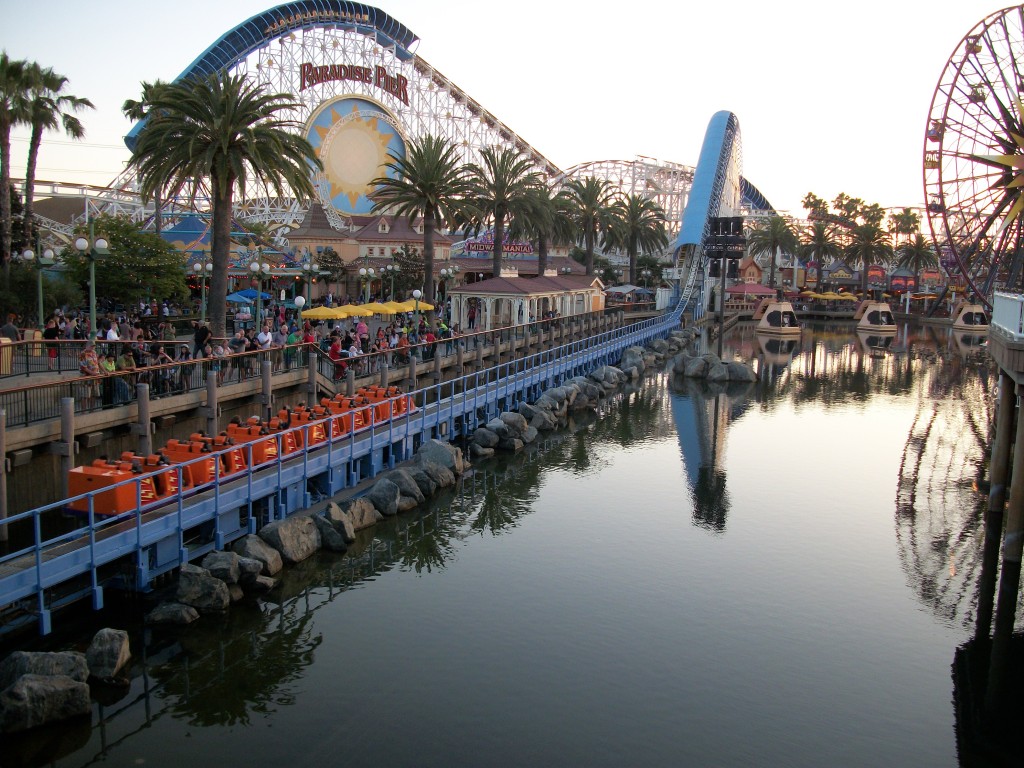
(777, 576)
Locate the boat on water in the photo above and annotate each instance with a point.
(875, 317)
(969, 342)
(777, 350)
(875, 344)
(970, 317)
(775, 317)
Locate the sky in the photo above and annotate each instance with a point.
(831, 97)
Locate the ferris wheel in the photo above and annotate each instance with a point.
(974, 156)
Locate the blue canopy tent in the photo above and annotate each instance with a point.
(250, 293)
(240, 297)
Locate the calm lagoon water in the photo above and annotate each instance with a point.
(778, 575)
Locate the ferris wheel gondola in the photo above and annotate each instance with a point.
(974, 156)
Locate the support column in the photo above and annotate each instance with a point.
(67, 448)
(1009, 581)
(350, 381)
(412, 373)
(267, 389)
(437, 364)
(999, 466)
(460, 359)
(311, 376)
(212, 406)
(383, 370)
(3, 475)
(143, 427)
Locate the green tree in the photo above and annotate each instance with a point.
(429, 182)
(905, 222)
(15, 109)
(815, 206)
(141, 265)
(818, 243)
(772, 238)
(138, 109)
(332, 266)
(51, 108)
(638, 227)
(227, 129)
(916, 255)
(548, 223)
(868, 245)
(503, 185)
(591, 201)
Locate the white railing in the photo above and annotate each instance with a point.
(1008, 314)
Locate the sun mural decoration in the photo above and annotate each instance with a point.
(355, 138)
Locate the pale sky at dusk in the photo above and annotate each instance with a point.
(830, 97)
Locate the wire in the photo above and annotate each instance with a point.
(75, 143)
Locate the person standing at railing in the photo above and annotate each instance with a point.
(10, 330)
(50, 334)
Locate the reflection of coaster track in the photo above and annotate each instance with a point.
(939, 516)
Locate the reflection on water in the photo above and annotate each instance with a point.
(799, 555)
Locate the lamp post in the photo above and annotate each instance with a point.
(366, 275)
(416, 298)
(259, 269)
(447, 273)
(92, 248)
(391, 270)
(309, 268)
(726, 245)
(646, 275)
(45, 260)
(203, 269)
(300, 302)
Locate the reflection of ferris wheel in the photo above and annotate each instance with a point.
(974, 154)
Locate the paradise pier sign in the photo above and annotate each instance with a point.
(396, 85)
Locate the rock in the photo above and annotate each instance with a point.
(172, 613)
(363, 514)
(477, 451)
(719, 372)
(67, 663)
(296, 538)
(223, 566)
(331, 540)
(529, 434)
(196, 587)
(442, 476)
(256, 548)
(484, 437)
(632, 359)
(544, 421)
(515, 422)
(425, 482)
(442, 453)
(263, 584)
(741, 372)
(510, 444)
(659, 345)
(235, 592)
(108, 653)
(35, 700)
(528, 412)
(384, 495)
(249, 568)
(695, 368)
(406, 485)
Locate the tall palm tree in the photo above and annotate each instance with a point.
(868, 245)
(138, 109)
(592, 202)
(638, 227)
(772, 238)
(905, 222)
(917, 254)
(818, 243)
(429, 182)
(503, 183)
(15, 109)
(548, 223)
(51, 108)
(226, 129)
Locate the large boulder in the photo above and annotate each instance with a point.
(384, 495)
(477, 451)
(342, 522)
(510, 444)
(741, 372)
(442, 476)
(35, 700)
(196, 587)
(695, 367)
(67, 663)
(529, 434)
(404, 480)
(445, 454)
(223, 566)
(296, 538)
(515, 422)
(248, 569)
(255, 548)
(330, 539)
(363, 514)
(718, 373)
(108, 653)
(485, 438)
(177, 614)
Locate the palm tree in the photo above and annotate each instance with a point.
(548, 223)
(868, 245)
(431, 183)
(225, 128)
(771, 238)
(906, 222)
(819, 244)
(917, 254)
(591, 200)
(639, 227)
(51, 108)
(139, 110)
(15, 109)
(502, 187)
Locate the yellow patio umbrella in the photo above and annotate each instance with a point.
(411, 305)
(392, 307)
(373, 308)
(324, 313)
(352, 310)
(848, 297)
(830, 296)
